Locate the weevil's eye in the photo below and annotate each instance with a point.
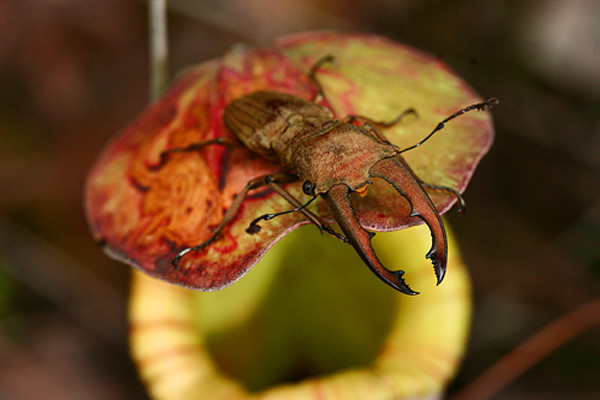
(308, 188)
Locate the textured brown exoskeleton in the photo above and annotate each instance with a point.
(332, 158)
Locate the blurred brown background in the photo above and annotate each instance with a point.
(72, 73)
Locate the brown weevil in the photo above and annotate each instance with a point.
(332, 158)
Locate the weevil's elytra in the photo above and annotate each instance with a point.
(332, 158)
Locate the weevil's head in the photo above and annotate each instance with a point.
(342, 159)
(341, 154)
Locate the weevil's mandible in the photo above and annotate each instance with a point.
(332, 158)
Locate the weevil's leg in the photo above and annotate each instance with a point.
(463, 205)
(384, 124)
(339, 203)
(400, 176)
(269, 180)
(229, 214)
(372, 126)
(312, 75)
(254, 227)
(196, 146)
(479, 106)
(315, 219)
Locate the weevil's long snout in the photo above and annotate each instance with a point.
(339, 203)
(399, 175)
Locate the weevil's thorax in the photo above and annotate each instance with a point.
(338, 153)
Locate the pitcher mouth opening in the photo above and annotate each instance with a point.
(182, 340)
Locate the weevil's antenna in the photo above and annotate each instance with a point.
(479, 106)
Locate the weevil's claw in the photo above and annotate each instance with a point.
(177, 258)
(399, 175)
(339, 203)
